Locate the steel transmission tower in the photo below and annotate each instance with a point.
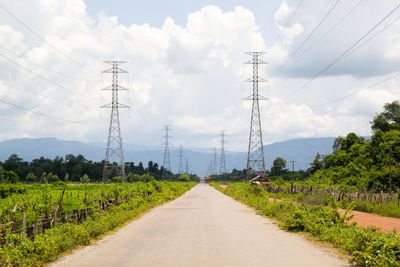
(166, 161)
(180, 169)
(222, 163)
(114, 161)
(187, 166)
(255, 156)
(215, 165)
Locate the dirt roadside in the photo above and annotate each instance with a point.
(363, 219)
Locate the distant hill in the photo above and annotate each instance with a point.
(302, 151)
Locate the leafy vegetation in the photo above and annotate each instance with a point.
(368, 247)
(73, 168)
(356, 164)
(41, 200)
(371, 164)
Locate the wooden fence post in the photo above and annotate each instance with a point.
(55, 218)
(24, 225)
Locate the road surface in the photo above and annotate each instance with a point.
(202, 228)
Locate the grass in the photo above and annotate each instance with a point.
(67, 236)
(366, 246)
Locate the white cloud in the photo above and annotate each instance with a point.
(190, 76)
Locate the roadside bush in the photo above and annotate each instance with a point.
(67, 236)
(368, 247)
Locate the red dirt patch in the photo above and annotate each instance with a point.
(223, 186)
(364, 219)
(271, 199)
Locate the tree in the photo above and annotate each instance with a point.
(31, 177)
(2, 175)
(43, 178)
(85, 179)
(184, 177)
(389, 119)
(278, 166)
(338, 143)
(52, 177)
(133, 177)
(11, 177)
(66, 177)
(316, 164)
(147, 177)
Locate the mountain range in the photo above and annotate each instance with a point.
(302, 151)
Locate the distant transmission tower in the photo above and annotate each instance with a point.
(215, 165)
(187, 166)
(167, 161)
(255, 156)
(114, 161)
(222, 163)
(180, 170)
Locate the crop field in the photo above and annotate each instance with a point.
(39, 222)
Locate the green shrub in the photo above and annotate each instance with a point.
(67, 236)
(368, 247)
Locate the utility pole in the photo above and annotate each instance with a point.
(255, 156)
(292, 161)
(180, 170)
(323, 169)
(209, 170)
(215, 165)
(222, 163)
(390, 165)
(114, 160)
(166, 161)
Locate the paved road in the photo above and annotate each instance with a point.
(202, 228)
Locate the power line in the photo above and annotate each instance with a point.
(305, 40)
(376, 34)
(342, 56)
(180, 165)
(39, 113)
(332, 28)
(255, 154)
(222, 163)
(41, 38)
(287, 22)
(167, 161)
(215, 164)
(32, 93)
(44, 78)
(34, 122)
(44, 67)
(114, 140)
(349, 95)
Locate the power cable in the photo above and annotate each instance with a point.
(287, 22)
(332, 28)
(44, 67)
(39, 113)
(32, 93)
(305, 40)
(343, 55)
(42, 38)
(44, 78)
(354, 93)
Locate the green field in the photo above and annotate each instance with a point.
(119, 203)
(367, 246)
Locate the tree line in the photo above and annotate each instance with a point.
(71, 169)
(371, 164)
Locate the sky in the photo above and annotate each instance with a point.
(332, 65)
